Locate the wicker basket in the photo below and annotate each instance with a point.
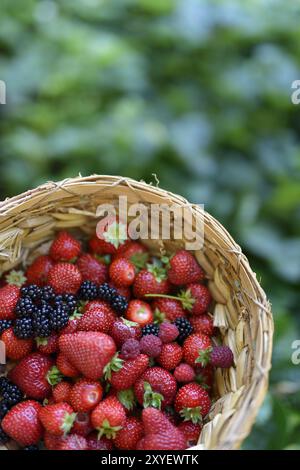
(241, 310)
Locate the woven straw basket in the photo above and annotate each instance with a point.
(241, 311)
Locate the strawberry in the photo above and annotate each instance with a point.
(65, 278)
(85, 395)
(196, 299)
(205, 376)
(167, 309)
(65, 247)
(108, 417)
(89, 352)
(128, 437)
(129, 372)
(30, 374)
(156, 387)
(135, 252)
(72, 324)
(97, 319)
(37, 272)
(15, 348)
(110, 238)
(124, 329)
(65, 366)
(161, 434)
(47, 345)
(152, 280)
(99, 444)
(170, 356)
(192, 402)
(58, 418)
(122, 272)
(91, 269)
(184, 373)
(191, 432)
(193, 346)
(203, 324)
(82, 424)
(140, 312)
(22, 423)
(73, 442)
(61, 392)
(184, 269)
(9, 296)
(101, 247)
(52, 442)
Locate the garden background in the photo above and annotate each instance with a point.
(197, 92)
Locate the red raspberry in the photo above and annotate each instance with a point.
(184, 373)
(151, 345)
(130, 349)
(168, 332)
(221, 356)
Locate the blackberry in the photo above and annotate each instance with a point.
(4, 408)
(4, 325)
(32, 291)
(23, 328)
(3, 436)
(32, 447)
(105, 292)
(88, 291)
(25, 307)
(41, 321)
(47, 293)
(119, 303)
(151, 329)
(184, 327)
(59, 317)
(68, 301)
(4, 382)
(12, 394)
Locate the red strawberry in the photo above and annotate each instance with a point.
(134, 252)
(82, 424)
(31, 375)
(9, 296)
(73, 442)
(65, 278)
(101, 247)
(128, 437)
(47, 345)
(37, 272)
(91, 269)
(22, 423)
(192, 402)
(184, 373)
(170, 356)
(65, 366)
(203, 324)
(61, 392)
(72, 324)
(161, 434)
(85, 395)
(193, 347)
(129, 372)
(99, 318)
(15, 348)
(124, 329)
(167, 309)
(191, 432)
(52, 442)
(109, 417)
(196, 299)
(157, 387)
(140, 312)
(99, 444)
(89, 352)
(205, 376)
(58, 418)
(152, 280)
(184, 269)
(65, 247)
(110, 238)
(122, 272)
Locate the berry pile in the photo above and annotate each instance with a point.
(112, 348)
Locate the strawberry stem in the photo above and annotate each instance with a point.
(184, 297)
(152, 398)
(113, 366)
(192, 414)
(107, 430)
(54, 376)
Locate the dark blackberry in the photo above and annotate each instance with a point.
(4, 382)
(68, 301)
(25, 307)
(59, 317)
(41, 321)
(23, 328)
(32, 447)
(4, 408)
(105, 292)
(119, 303)
(4, 325)
(151, 329)
(184, 327)
(12, 394)
(47, 293)
(3, 436)
(32, 291)
(88, 291)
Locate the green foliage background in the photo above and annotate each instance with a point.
(196, 91)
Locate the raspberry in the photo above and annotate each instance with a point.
(151, 345)
(168, 332)
(130, 349)
(221, 356)
(184, 373)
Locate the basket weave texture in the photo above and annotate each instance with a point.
(241, 310)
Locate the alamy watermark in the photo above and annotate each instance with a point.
(2, 92)
(295, 96)
(295, 358)
(2, 353)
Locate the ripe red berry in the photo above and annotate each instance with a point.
(99, 444)
(128, 437)
(156, 387)
(139, 312)
(130, 349)
(58, 418)
(22, 424)
(124, 329)
(9, 296)
(184, 269)
(221, 356)
(151, 345)
(37, 272)
(184, 373)
(193, 346)
(170, 356)
(47, 345)
(15, 348)
(203, 324)
(152, 280)
(122, 272)
(91, 269)
(65, 367)
(160, 433)
(129, 372)
(108, 417)
(168, 332)
(196, 298)
(99, 318)
(167, 309)
(65, 247)
(192, 402)
(61, 392)
(82, 424)
(65, 278)
(72, 442)
(191, 432)
(85, 395)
